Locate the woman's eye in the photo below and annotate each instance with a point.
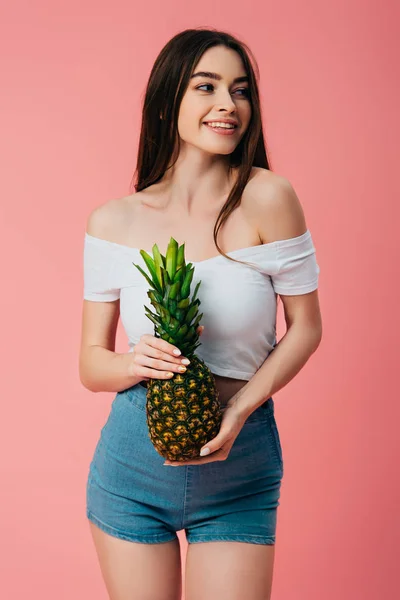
(244, 90)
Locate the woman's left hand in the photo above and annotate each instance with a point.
(220, 446)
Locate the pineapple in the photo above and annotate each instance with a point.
(184, 412)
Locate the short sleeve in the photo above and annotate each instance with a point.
(297, 270)
(99, 271)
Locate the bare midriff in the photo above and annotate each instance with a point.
(227, 387)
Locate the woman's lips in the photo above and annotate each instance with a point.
(221, 130)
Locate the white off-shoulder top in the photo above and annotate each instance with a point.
(238, 302)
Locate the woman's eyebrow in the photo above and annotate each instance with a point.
(218, 77)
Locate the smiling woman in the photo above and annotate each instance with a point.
(202, 178)
(203, 95)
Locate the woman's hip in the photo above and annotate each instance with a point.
(125, 456)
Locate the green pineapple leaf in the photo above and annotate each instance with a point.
(172, 305)
(180, 315)
(180, 274)
(153, 284)
(149, 264)
(159, 308)
(184, 303)
(147, 309)
(191, 334)
(166, 278)
(186, 283)
(152, 318)
(172, 257)
(175, 288)
(195, 291)
(174, 324)
(154, 296)
(166, 294)
(192, 312)
(158, 263)
(165, 314)
(181, 256)
(182, 331)
(197, 321)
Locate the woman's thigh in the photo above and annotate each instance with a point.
(234, 570)
(137, 570)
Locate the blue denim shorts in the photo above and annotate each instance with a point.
(131, 495)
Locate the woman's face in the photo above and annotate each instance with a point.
(207, 99)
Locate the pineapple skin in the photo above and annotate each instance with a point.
(183, 413)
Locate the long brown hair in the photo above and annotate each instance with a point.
(167, 84)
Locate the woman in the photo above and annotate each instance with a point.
(192, 179)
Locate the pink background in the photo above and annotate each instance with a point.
(73, 77)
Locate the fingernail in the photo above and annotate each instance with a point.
(177, 352)
(185, 361)
(205, 451)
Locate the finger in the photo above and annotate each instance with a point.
(196, 461)
(162, 365)
(146, 373)
(161, 344)
(214, 445)
(188, 463)
(156, 353)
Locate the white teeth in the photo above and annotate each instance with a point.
(224, 125)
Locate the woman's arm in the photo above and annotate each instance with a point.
(280, 216)
(102, 370)
(288, 357)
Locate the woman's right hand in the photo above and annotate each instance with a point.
(154, 358)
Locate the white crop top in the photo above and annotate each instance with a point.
(238, 302)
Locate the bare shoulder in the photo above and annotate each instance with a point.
(272, 202)
(107, 220)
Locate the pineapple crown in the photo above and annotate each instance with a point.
(176, 319)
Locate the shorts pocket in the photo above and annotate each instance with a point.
(275, 439)
(136, 396)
